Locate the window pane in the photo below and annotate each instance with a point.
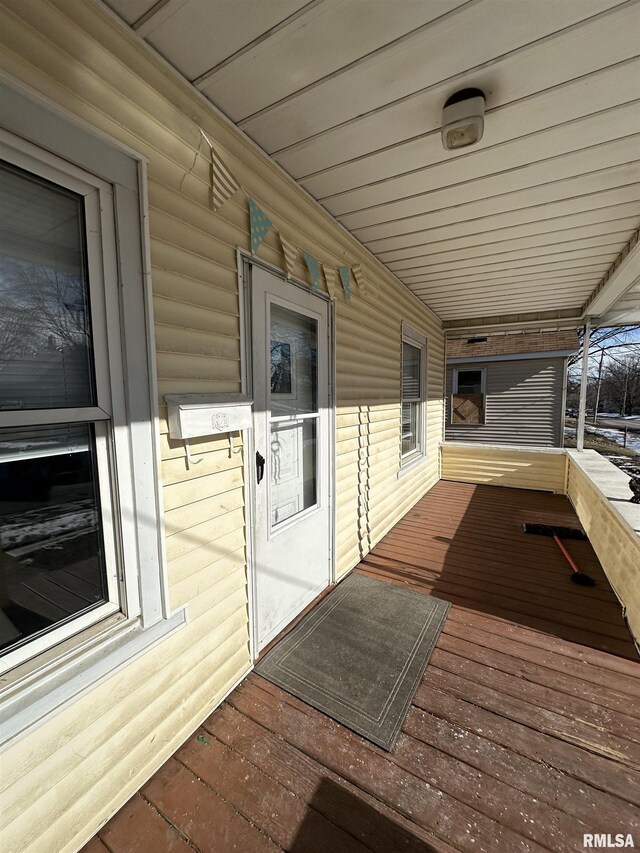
(411, 384)
(409, 427)
(45, 336)
(51, 553)
(294, 354)
(469, 382)
(293, 468)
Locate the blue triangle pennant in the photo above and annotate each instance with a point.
(260, 225)
(314, 268)
(345, 279)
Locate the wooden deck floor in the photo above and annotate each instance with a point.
(524, 734)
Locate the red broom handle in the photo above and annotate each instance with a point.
(566, 553)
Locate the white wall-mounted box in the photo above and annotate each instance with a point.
(193, 415)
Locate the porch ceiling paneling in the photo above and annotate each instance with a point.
(347, 97)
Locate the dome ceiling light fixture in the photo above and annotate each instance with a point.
(463, 119)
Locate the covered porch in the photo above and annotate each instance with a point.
(523, 735)
(318, 129)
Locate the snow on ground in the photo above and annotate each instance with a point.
(618, 416)
(42, 525)
(629, 464)
(633, 438)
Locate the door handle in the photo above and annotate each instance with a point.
(260, 462)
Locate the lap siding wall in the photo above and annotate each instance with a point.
(516, 467)
(63, 781)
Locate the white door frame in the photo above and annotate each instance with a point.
(245, 261)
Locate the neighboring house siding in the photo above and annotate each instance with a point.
(523, 403)
(70, 774)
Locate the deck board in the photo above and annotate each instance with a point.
(523, 735)
(261, 799)
(141, 827)
(378, 827)
(200, 814)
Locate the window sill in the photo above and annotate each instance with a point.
(36, 691)
(408, 465)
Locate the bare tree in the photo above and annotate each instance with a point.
(607, 336)
(14, 330)
(621, 384)
(42, 307)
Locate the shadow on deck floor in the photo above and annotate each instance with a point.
(523, 736)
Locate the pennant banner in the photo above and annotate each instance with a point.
(330, 274)
(344, 278)
(260, 225)
(314, 268)
(290, 253)
(359, 277)
(223, 184)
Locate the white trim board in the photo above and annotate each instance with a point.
(520, 356)
(508, 448)
(116, 647)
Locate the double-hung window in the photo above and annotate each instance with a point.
(413, 425)
(82, 577)
(58, 553)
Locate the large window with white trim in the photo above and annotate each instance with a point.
(58, 556)
(80, 529)
(83, 586)
(413, 425)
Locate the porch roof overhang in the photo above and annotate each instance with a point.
(534, 226)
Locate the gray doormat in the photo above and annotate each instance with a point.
(360, 654)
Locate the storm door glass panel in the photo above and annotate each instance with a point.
(45, 332)
(293, 413)
(52, 566)
(294, 353)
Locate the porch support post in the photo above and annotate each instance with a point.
(582, 411)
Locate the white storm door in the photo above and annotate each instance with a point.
(291, 434)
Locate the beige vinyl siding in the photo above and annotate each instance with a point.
(523, 403)
(63, 781)
(370, 497)
(518, 467)
(613, 538)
